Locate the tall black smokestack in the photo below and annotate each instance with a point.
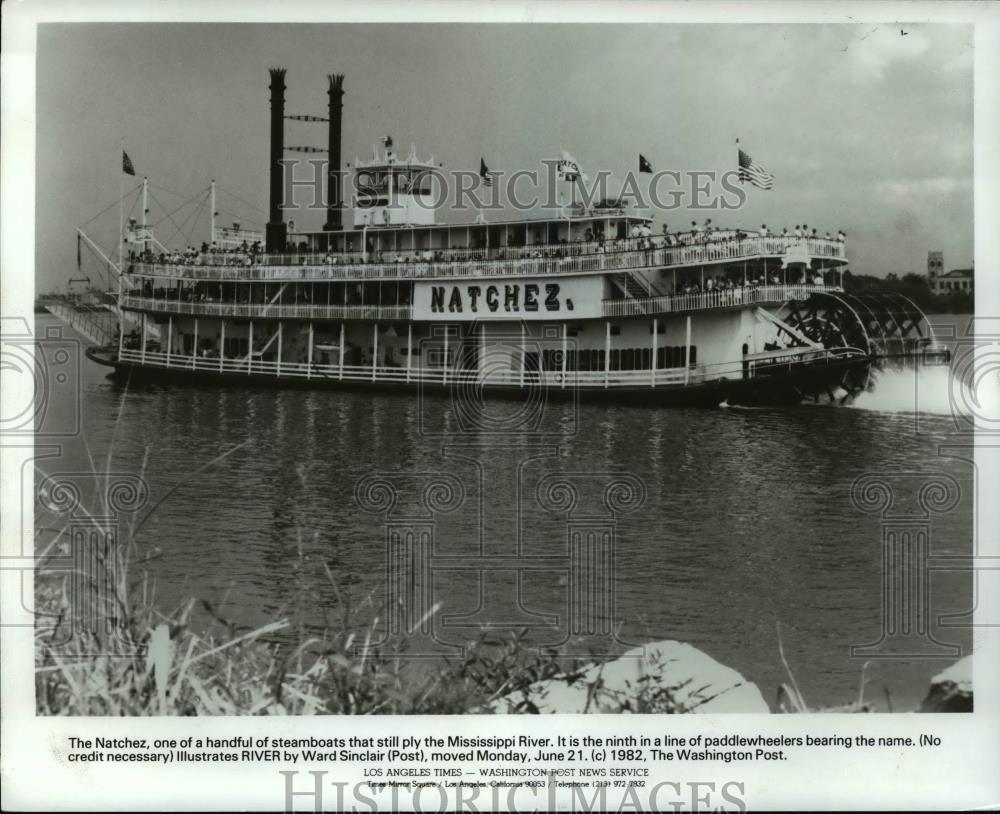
(276, 234)
(334, 193)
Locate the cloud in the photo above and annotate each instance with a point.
(962, 62)
(877, 48)
(919, 188)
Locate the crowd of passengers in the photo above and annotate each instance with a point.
(592, 241)
(733, 288)
(737, 286)
(295, 295)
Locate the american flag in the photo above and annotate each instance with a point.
(127, 166)
(484, 173)
(753, 172)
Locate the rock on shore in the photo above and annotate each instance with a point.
(951, 689)
(665, 676)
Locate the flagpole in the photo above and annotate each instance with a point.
(487, 228)
(121, 225)
(121, 201)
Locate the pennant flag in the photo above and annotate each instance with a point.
(753, 172)
(644, 165)
(484, 173)
(127, 166)
(569, 168)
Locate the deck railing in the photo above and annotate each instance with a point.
(96, 323)
(721, 298)
(263, 310)
(579, 259)
(592, 379)
(630, 307)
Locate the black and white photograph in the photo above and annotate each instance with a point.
(551, 370)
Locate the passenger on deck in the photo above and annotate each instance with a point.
(763, 230)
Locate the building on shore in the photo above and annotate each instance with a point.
(941, 282)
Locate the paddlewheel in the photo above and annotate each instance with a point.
(890, 328)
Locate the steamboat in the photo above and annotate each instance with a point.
(593, 303)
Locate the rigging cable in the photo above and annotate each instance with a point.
(242, 201)
(169, 215)
(109, 206)
(193, 215)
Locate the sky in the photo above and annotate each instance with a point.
(865, 129)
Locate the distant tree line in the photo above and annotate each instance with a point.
(914, 286)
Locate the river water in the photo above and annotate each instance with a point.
(731, 524)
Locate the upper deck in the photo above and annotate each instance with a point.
(538, 259)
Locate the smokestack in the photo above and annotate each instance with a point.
(276, 234)
(334, 193)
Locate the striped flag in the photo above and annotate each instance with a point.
(127, 167)
(753, 172)
(484, 173)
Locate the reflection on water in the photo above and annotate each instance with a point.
(746, 522)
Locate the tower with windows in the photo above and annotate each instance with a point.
(392, 191)
(935, 266)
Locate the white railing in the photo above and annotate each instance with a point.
(97, 324)
(722, 298)
(631, 307)
(267, 310)
(578, 259)
(238, 236)
(696, 374)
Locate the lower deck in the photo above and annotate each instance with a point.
(670, 346)
(788, 380)
(669, 351)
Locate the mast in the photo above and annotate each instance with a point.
(121, 226)
(145, 209)
(121, 200)
(212, 232)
